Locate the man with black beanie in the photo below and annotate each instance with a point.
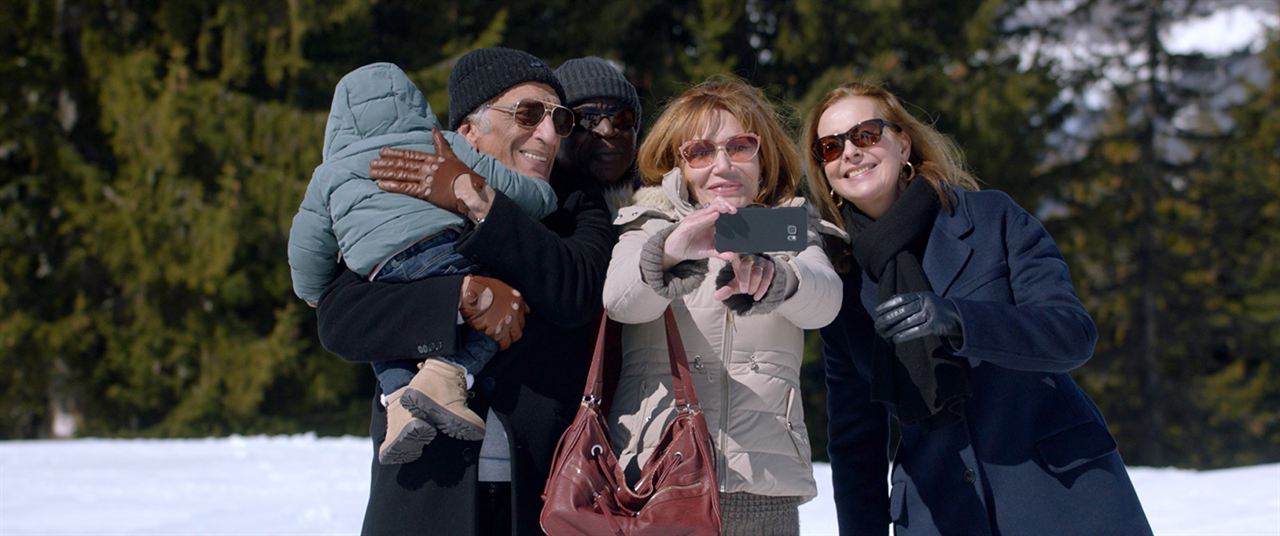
(603, 143)
(507, 103)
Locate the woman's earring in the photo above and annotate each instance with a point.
(910, 176)
(836, 199)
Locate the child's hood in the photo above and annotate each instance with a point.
(373, 100)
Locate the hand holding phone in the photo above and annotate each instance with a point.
(694, 236)
(762, 229)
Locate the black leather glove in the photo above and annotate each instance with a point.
(912, 315)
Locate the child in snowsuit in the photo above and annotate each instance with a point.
(397, 238)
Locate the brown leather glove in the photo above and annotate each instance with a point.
(503, 319)
(426, 176)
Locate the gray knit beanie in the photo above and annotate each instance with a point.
(483, 74)
(592, 78)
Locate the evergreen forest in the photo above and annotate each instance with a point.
(153, 154)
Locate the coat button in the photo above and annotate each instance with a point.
(755, 367)
(970, 475)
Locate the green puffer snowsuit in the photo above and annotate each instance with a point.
(343, 210)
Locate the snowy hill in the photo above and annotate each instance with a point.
(309, 485)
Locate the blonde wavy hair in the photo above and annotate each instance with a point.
(687, 116)
(934, 155)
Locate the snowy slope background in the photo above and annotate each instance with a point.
(296, 485)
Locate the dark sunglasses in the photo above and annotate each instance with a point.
(621, 117)
(529, 112)
(864, 134)
(701, 153)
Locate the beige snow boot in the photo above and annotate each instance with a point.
(438, 395)
(406, 434)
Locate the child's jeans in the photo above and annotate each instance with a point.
(432, 257)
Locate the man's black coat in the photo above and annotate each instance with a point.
(534, 386)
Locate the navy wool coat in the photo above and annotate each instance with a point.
(1033, 454)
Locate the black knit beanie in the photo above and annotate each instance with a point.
(483, 74)
(592, 78)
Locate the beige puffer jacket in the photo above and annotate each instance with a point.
(746, 368)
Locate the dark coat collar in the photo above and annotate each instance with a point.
(947, 253)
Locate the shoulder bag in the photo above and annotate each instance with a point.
(587, 493)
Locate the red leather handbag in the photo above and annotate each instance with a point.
(587, 493)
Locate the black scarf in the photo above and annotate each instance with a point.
(919, 378)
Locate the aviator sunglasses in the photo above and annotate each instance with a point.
(701, 153)
(863, 135)
(529, 112)
(620, 117)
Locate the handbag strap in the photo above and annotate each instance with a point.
(594, 387)
(608, 338)
(681, 379)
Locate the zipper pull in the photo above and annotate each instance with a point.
(791, 398)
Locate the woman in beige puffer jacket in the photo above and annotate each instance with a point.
(724, 149)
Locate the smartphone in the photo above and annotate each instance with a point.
(761, 229)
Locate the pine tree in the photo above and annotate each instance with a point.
(1239, 192)
(154, 157)
(1134, 212)
(46, 159)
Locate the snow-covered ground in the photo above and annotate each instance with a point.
(303, 484)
